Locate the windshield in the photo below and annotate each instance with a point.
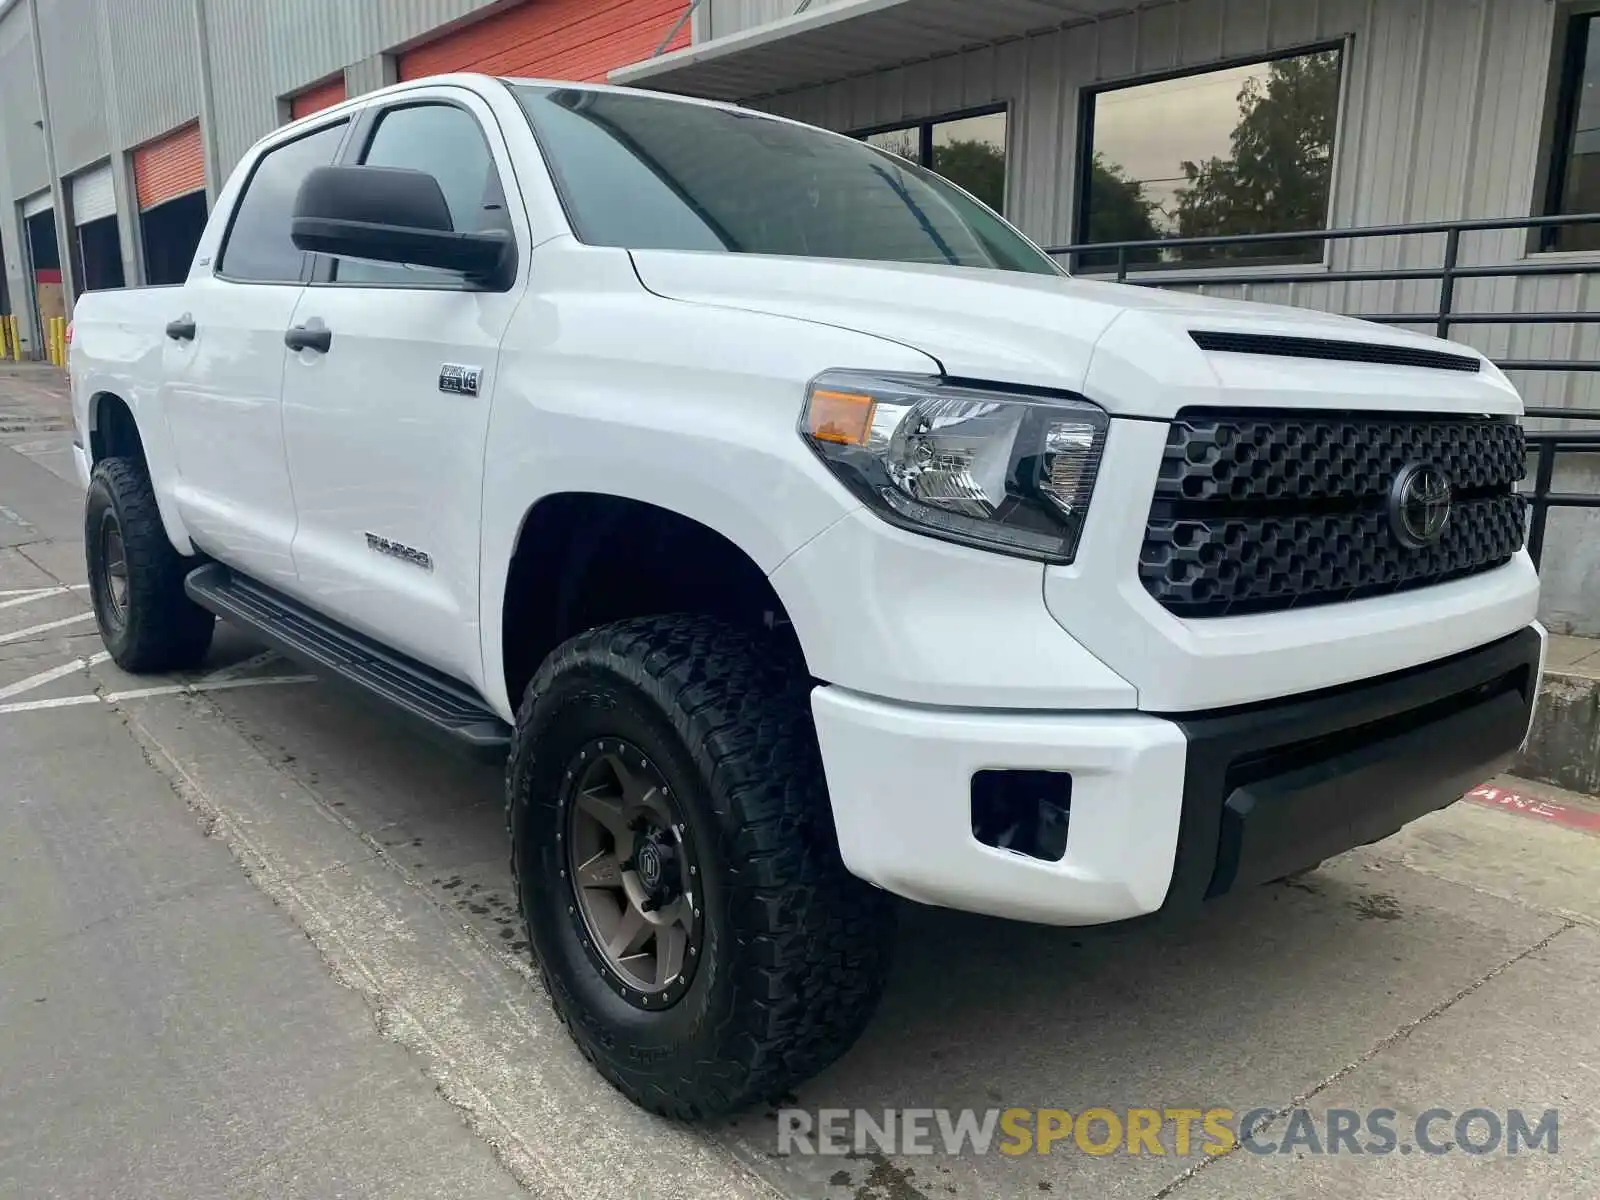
(642, 172)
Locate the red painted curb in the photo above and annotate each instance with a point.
(1532, 806)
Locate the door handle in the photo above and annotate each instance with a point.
(181, 330)
(303, 338)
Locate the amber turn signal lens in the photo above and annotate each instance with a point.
(843, 418)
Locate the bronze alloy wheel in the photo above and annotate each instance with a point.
(633, 874)
(114, 566)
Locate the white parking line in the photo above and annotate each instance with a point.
(58, 702)
(50, 676)
(38, 591)
(19, 634)
(173, 689)
(42, 594)
(215, 685)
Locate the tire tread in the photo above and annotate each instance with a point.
(165, 630)
(817, 939)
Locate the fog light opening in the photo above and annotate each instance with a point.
(1025, 812)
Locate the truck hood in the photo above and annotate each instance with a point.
(1127, 348)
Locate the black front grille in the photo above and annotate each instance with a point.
(1261, 511)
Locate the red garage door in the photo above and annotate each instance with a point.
(315, 99)
(169, 167)
(580, 40)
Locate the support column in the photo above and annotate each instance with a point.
(59, 200)
(208, 107)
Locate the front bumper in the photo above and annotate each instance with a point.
(1167, 811)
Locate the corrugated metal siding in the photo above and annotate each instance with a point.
(396, 23)
(67, 29)
(1444, 119)
(260, 52)
(324, 95)
(552, 39)
(153, 78)
(19, 107)
(169, 168)
(731, 16)
(370, 74)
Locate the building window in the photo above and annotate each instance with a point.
(1574, 149)
(968, 150)
(1236, 150)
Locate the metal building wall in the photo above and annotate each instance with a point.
(261, 52)
(1443, 119)
(22, 163)
(19, 107)
(68, 30)
(153, 79)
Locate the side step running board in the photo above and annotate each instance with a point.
(442, 704)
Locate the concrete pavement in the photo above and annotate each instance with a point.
(257, 940)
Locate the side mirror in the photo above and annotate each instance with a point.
(398, 216)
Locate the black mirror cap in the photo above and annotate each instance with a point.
(397, 216)
(374, 196)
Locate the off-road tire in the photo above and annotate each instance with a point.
(796, 948)
(157, 628)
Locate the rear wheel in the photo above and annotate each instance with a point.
(146, 620)
(676, 864)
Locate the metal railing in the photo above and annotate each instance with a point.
(1545, 447)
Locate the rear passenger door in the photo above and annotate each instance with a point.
(223, 361)
(385, 430)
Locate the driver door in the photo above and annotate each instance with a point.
(386, 408)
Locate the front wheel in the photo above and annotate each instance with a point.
(676, 864)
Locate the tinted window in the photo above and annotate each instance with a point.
(1216, 153)
(447, 143)
(644, 172)
(258, 246)
(1575, 152)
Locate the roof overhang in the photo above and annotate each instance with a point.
(845, 38)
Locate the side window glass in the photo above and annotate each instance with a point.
(447, 143)
(258, 248)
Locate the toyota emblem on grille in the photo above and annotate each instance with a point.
(1419, 505)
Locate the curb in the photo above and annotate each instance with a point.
(1564, 743)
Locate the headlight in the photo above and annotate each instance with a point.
(1007, 472)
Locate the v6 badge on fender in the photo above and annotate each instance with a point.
(457, 380)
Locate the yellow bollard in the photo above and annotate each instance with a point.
(58, 340)
(5, 337)
(16, 342)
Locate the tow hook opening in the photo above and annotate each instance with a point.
(1025, 812)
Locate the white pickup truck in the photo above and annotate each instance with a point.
(804, 535)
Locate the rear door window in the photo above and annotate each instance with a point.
(258, 248)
